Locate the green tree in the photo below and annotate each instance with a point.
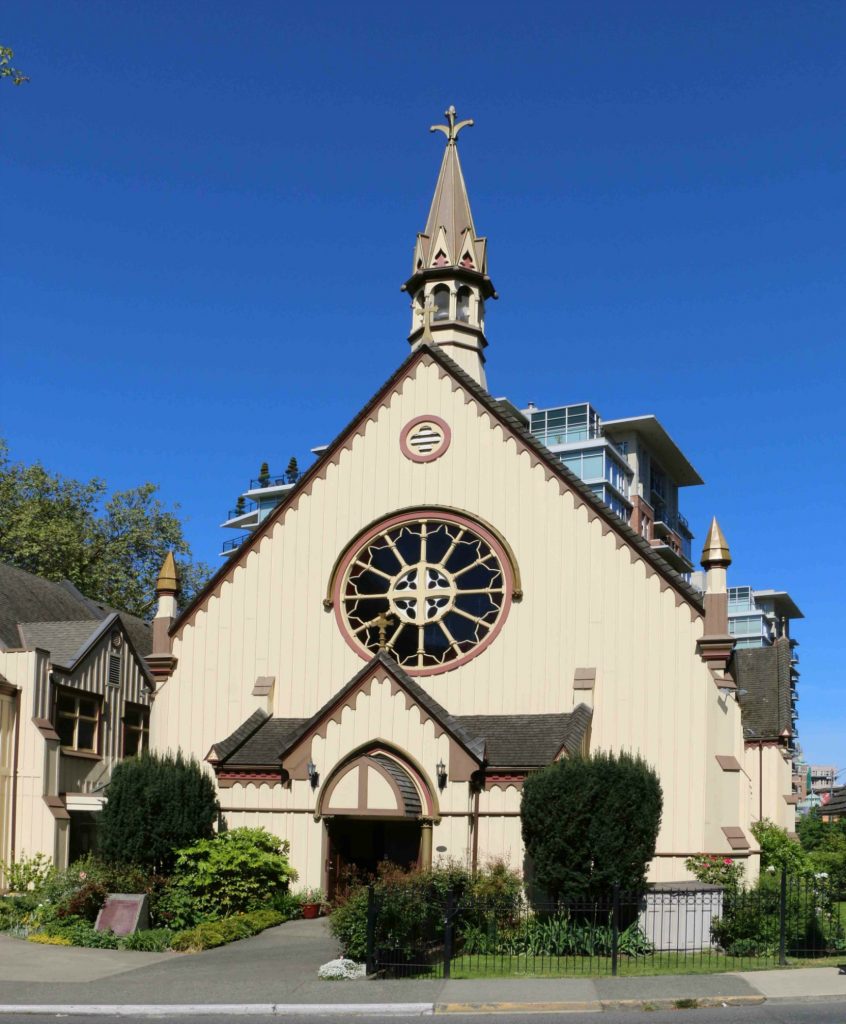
(778, 850)
(264, 475)
(109, 546)
(292, 473)
(156, 804)
(6, 69)
(589, 822)
(240, 505)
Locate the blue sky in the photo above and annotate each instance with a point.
(208, 209)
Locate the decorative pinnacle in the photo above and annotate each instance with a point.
(452, 129)
(168, 581)
(716, 549)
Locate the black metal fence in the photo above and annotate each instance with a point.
(664, 930)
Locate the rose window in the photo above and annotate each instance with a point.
(432, 591)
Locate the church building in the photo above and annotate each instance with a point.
(438, 608)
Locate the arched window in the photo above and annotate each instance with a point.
(441, 299)
(463, 305)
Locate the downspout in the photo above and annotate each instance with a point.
(475, 855)
(760, 780)
(15, 754)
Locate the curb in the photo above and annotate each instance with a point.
(222, 1009)
(599, 1005)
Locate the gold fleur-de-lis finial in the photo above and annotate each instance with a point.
(452, 129)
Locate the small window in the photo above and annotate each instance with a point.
(441, 298)
(77, 720)
(136, 729)
(463, 305)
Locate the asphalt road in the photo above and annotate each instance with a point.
(779, 1012)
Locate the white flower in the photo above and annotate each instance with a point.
(771, 869)
(821, 874)
(341, 970)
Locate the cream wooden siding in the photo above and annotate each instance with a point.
(588, 602)
(37, 770)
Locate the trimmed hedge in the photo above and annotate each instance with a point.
(227, 929)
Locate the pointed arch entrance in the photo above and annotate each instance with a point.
(377, 806)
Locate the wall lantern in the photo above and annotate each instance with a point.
(313, 776)
(440, 768)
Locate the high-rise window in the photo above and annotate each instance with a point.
(463, 305)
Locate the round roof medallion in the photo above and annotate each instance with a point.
(117, 639)
(425, 438)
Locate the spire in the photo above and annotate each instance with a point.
(168, 581)
(449, 275)
(715, 551)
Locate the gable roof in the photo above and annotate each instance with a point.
(262, 740)
(764, 673)
(29, 599)
(501, 411)
(837, 803)
(500, 741)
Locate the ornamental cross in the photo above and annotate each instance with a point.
(452, 129)
(382, 621)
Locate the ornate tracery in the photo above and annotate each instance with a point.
(431, 590)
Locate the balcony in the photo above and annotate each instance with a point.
(672, 555)
(231, 546)
(246, 518)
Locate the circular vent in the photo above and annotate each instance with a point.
(425, 438)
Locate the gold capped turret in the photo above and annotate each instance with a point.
(716, 550)
(168, 581)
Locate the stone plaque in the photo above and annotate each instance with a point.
(123, 913)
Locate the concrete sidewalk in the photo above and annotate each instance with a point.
(277, 970)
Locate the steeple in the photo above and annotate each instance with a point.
(449, 282)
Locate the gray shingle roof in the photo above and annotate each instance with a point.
(764, 672)
(61, 639)
(528, 741)
(35, 603)
(504, 741)
(261, 739)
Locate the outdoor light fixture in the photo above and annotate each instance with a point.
(311, 768)
(440, 768)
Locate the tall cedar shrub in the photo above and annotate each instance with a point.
(156, 804)
(589, 822)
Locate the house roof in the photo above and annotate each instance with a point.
(61, 639)
(764, 673)
(57, 617)
(503, 741)
(528, 741)
(501, 411)
(837, 803)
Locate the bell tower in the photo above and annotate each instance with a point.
(449, 284)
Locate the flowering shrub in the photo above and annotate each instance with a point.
(27, 873)
(715, 869)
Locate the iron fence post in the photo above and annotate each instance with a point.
(615, 928)
(782, 919)
(371, 930)
(450, 913)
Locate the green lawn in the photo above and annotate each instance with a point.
(594, 967)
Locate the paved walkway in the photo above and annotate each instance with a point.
(279, 966)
